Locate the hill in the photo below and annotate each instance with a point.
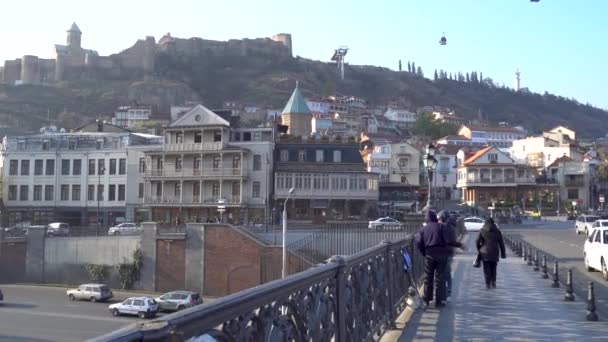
(263, 79)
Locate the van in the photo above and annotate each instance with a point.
(58, 229)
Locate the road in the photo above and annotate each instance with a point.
(559, 241)
(38, 313)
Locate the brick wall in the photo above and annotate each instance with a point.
(170, 264)
(12, 260)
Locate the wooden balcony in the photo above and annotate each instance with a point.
(192, 201)
(196, 173)
(193, 147)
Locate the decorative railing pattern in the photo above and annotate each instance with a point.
(193, 147)
(202, 172)
(353, 298)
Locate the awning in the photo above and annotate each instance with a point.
(320, 203)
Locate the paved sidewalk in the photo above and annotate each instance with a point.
(523, 308)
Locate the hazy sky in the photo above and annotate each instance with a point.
(559, 45)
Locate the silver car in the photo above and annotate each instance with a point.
(125, 229)
(58, 229)
(91, 292)
(178, 300)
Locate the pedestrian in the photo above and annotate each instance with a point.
(489, 245)
(448, 223)
(431, 242)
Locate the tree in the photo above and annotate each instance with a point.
(328, 88)
(419, 72)
(413, 67)
(602, 171)
(409, 67)
(468, 79)
(435, 77)
(481, 77)
(427, 126)
(450, 76)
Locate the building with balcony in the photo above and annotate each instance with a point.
(574, 179)
(402, 117)
(446, 174)
(207, 170)
(329, 178)
(459, 140)
(67, 176)
(131, 117)
(541, 151)
(490, 175)
(486, 135)
(296, 115)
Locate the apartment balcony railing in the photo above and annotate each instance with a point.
(574, 182)
(194, 200)
(193, 147)
(204, 172)
(328, 194)
(499, 180)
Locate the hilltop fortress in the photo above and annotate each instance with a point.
(71, 61)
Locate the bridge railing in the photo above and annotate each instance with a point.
(349, 298)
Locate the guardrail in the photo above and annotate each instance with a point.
(352, 298)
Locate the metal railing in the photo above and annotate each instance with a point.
(192, 200)
(352, 298)
(201, 172)
(206, 146)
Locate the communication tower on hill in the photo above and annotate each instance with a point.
(338, 57)
(517, 79)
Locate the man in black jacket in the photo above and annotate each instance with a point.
(448, 223)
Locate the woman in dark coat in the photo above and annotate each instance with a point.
(490, 244)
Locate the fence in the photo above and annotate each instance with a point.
(352, 298)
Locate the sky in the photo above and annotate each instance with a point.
(558, 45)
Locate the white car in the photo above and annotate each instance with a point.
(91, 292)
(473, 224)
(144, 307)
(384, 223)
(584, 222)
(124, 229)
(596, 250)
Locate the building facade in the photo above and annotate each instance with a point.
(80, 178)
(131, 117)
(330, 182)
(498, 136)
(296, 115)
(208, 171)
(574, 179)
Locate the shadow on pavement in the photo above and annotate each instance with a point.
(17, 305)
(7, 338)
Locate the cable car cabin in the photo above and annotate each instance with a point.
(443, 40)
(534, 0)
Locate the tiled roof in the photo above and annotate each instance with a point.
(492, 128)
(296, 103)
(561, 159)
(451, 149)
(319, 167)
(74, 28)
(454, 137)
(477, 154)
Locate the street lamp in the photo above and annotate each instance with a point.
(101, 170)
(284, 269)
(430, 163)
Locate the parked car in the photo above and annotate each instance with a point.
(125, 229)
(584, 222)
(178, 300)
(596, 250)
(144, 307)
(58, 229)
(92, 292)
(15, 231)
(384, 223)
(1, 296)
(473, 224)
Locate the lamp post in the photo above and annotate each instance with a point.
(284, 269)
(101, 171)
(430, 163)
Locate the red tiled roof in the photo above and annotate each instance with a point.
(563, 158)
(477, 154)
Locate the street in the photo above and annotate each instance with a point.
(559, 240)
(39, 313)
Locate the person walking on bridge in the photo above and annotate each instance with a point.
(448, 225)
(489, 245)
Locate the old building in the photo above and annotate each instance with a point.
(330, 181)
(296, 115)
(541, 151)
(446, 174)
(498, 136)
(207, 170)
(58, 176)
(131, 117)
(574, 179)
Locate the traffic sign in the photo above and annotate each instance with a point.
(602, 199)
(491, 208)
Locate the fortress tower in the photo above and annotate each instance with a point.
(297, 115)
(285, 39)
(73, 38)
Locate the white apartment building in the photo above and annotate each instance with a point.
(498, 136)
(207, 171)
(401, 116)
(67, 176)
(446, 174)
(131, 117)
(544, 150)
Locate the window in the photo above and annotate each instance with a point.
(112, 166)
(177, 190)
(444, 178)
(284, 155)
(140, 194)
(121, 192)
(25, 167)
(548, 157)
(325, 181)
(598, 236)
(71, 144)
(216, 162)
(75, 192)
(38, 166)
(14, 166)
(100, 191)
(65, 167)
(50, 167)
(12, 192)
(65, 192)
(217, 136)
(91, 167)
(302, 155)
(255, 193)
(606, 236)
(179, 138)
(337, 156)
(112, 192)
(299, 177)
(122, 166)
(198, 137)
(492, 157)
(76, 167)
(257, 162)
(307, 182)
(49, 192)
(178, 164)
(101, 166)
(37, 192)
(572, 193)
(319, 156)
(402, 149)
(91, 193)
(142, 165)
(316, 182)
(352, 184)
(215, 189)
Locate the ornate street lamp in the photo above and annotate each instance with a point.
(430, 163)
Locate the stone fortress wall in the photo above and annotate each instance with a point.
(72, 60)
